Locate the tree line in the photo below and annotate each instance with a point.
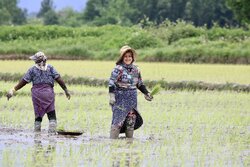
(131, 12)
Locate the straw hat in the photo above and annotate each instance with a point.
(123, 50)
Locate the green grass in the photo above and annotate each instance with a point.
(181, 128)
(169, 42)
(169, 72)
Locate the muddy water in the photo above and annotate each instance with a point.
(23, 147)
(20, 147)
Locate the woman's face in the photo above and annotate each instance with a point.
(128, 58)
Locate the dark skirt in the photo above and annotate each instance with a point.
(43, 98)
(126, 101)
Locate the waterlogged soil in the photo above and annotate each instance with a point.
(33, 148)
(19, 143)
(12, 138)
(26, 136)
(9, 136)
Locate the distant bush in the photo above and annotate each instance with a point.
(143, 40)
(171, 32)
(173, 42)
(39, 32)
(234, 35)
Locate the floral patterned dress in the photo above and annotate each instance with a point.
(124, 81)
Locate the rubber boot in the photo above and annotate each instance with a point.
(37, 126)
(52, 126)
(129, 133)
(130, 123)
(114, 132)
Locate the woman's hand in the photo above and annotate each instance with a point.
(148, 97)
(67, 93)
(10, 93)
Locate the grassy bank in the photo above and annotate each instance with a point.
(181, 42)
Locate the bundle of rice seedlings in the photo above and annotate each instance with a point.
(156, 89)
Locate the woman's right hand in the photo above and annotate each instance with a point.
(111, 99)
(10, 93)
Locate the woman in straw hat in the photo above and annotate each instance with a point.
(123, 83)
(42, 75)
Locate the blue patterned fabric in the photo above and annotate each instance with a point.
(37, 76)
(125, 76)
(126, 101)
(125, 79)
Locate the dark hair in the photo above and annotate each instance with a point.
(120, 60)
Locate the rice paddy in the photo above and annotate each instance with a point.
(181, 128)
(210, 73)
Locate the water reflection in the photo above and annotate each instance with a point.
(44, 150)
(126, 156)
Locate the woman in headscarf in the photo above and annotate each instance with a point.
(42, 76)
(123, 84)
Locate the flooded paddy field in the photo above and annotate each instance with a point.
(181, 128)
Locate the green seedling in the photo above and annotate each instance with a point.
(156, 89)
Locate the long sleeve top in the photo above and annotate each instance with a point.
(126, 77)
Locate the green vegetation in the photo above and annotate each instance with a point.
(146, 12)
(200, 116)
(241, 9)
(194, 128)
(10, 13)
(211, 73)
(180, 42)
(167, 85)
(170, 76)
(130, 12)
(180, 128)
(155, 90)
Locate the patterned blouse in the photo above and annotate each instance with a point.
(37, 76)
(125, 76)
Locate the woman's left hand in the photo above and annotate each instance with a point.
(148, 97)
